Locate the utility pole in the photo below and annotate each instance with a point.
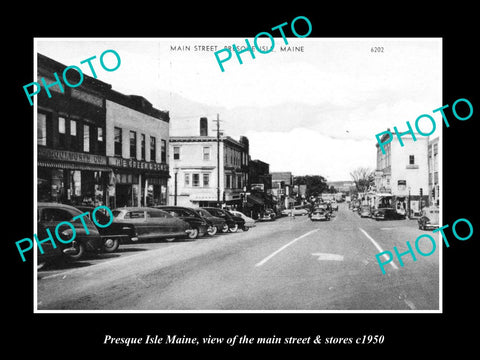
(218, 159)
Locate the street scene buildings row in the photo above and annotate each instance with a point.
(97, 146)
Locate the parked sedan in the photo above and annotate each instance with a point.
(112, 235)
(49, 216)
(198, 224)
(249, 222)
(267, 215)
(365, 211)
(387, 214)
(295, 211)
(216, 223)
(320, 214)
(233, 222)
(148, 223)
(429, 219)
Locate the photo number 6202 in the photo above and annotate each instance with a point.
(376, 49)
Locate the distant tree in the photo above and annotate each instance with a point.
(363, 178)
(316, 184)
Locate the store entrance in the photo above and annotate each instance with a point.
(123, 195)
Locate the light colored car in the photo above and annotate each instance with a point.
(148, 223)
(429, 219)
(365, 211)
(249, 222)
(295, 211)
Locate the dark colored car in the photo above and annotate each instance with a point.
(216, 223)
(267, 215)
(233, 222)
(149, 223)
(112, 235)
(49, 216)
(198, 224)
(387, 214)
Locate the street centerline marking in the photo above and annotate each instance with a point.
(377, 246)
(284, 247)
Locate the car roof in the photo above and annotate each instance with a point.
(137, 208)
(55, 205)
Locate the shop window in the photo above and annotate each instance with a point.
(61, 132)
(195, 180)
(73, 135)
(164, 151)
(176, 153)
(86, 138)
(153, 148)
(206, 180)
(206, 153)
(228, 181)
(142, 146)
(133, 145)
(41, 129)
(100, 141)
(118, 141)
(203, 126)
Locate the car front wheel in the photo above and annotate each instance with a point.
(193, 234)
(233, 229)
(212, 230)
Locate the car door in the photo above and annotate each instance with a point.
(138, 219)
(48, 218)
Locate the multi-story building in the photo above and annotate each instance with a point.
(402, 172)
(137, 151)
(207, 170)
(71, 162)
(433, 170)
(96, 146)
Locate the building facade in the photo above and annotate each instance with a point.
(208, 170)
(137, 151)
(71, 161)
(96, 146)
(403, 173)
(433, 171)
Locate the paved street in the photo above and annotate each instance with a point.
(288, 264)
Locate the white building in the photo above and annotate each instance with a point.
(206, 170)
(403, 171)
(433, 171)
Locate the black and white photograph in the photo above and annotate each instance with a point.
(229, 181)
(257, 187)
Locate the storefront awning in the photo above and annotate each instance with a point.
(254, 200)
(72, 166)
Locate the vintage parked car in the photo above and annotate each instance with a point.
(233, 222)
(198, 224)
(295, 211)
(319, 214)
(249, 222)
(387, 214)
(430, 218)
(365, 211)
(334, 205)
(112, 235)
(150, 223)
(216, 223)
(267, 215)
(49, 216)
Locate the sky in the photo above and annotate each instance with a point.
(312, 112)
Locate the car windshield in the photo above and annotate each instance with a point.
(204, 212)
(116, 213)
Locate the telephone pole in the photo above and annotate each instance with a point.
(218, 160)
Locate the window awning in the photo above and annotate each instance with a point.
(254, 200)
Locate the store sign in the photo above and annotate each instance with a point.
(64, 155)
(136, 164)
(203, 197)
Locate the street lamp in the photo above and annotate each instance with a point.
(409, 208)
(175, 170)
